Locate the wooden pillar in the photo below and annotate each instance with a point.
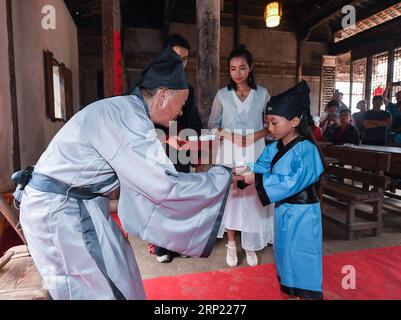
(237, 23)
(299, 61)
(13, 88)
(351, 83)
(112, 56)
(368, 91)
(390, 64)
(208, 66)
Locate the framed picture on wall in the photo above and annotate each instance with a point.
(58, 83)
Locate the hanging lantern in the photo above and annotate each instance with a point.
(273, 13)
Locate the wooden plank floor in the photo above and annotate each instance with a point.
(19, 278)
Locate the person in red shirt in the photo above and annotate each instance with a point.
(346, 132)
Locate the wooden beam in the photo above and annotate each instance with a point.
(380, 33)
(324, 14)
(208, 67)
(13, 88)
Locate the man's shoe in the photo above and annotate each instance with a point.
(166, 258)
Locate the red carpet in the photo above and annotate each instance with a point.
(378, 276)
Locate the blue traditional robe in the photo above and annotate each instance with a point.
(298, 227)
(78, 249)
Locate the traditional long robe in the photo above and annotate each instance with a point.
(244, 211)
(78, 249)
(298, 227)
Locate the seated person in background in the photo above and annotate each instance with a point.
(316, 131)
(376, 123)
(345, 132)
(357, 117)
(329, 119)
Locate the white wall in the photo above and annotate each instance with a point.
(30, 39)
(6, 136)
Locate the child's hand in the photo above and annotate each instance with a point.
(249, 178)
(237, 178)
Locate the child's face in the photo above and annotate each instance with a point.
(280, 127)
(345, 118)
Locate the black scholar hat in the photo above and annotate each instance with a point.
(166, 70)
(294, 102)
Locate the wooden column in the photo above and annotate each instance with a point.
(208, 66)
(299, 60)
(112, 56)
(13, 88)
(368, 91)
(237, 23)
(390, 64)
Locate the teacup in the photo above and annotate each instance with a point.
(240, 167)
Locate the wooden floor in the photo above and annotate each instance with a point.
(20, 280)
(334, 242)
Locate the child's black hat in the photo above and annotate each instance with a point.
(294, 102)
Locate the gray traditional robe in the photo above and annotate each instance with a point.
(115, 137)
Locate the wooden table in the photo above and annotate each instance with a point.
(395, 165)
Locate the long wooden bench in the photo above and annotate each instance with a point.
(358, 177)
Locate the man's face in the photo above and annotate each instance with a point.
(331, 109)
(183, 53)
(338, 96)
(377, 103)
(362, 106)
(167, 105)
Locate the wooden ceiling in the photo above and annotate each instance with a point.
(316, 20)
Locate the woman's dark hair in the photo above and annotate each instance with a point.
(333, 103)
(304, 130)
(178, 40)
(241, 51)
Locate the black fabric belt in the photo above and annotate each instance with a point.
(45, 183)
(309, 195)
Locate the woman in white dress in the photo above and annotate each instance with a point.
(238, 114)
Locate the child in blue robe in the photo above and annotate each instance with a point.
(287, 174)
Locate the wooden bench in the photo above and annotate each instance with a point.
(19, 278)
(357, 178)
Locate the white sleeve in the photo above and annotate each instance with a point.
(216, 113)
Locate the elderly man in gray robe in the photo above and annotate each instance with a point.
(77, 247)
